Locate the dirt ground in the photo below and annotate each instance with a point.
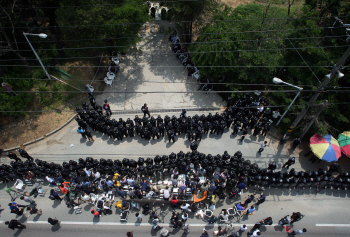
(16, 131)
(235, 3)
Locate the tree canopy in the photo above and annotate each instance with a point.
(259, 35)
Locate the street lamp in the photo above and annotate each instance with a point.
(278, 81)
(43, 36)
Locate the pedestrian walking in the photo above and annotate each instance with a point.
(25, 154)
(53, 221)
(145, 111)
(245, 132)
(263, 145)
(13, 156)
(138, 217)
(296, 142)
(242, 229)
(107, 108)
(14, 224)
(297, 232)
(291, 161)
(82, 132)
(88, 134)
(129, 234)
(284, 138)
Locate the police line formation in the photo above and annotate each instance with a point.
(245, 113)
(235, 170)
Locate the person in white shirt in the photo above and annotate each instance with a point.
(184, 217)
(261, 108)
(88, 172)
(51, 180)
(96, 175)
(138, 217)
(242, 229)
(166, 193)
(275, 115)
(185, 207)
(256, 233)
(263, 145)
(85, 197)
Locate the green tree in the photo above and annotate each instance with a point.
(119, 21)
(188, 12)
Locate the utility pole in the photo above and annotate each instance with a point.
(313, 119)
(321, 88)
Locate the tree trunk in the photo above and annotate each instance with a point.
(9, 42)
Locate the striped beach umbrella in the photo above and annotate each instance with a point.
(325, 147)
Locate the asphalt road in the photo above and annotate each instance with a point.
(44, 230)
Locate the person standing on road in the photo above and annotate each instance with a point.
(13, 156)
(107, 108)
(245, 132)
(291, 161)
(138, 217)
(25, 154)
(53, 221)
(145, 111)
(296, 143)
(14, 224)
(88, 134)
(171, 135)
(297, 232)
(263, 145)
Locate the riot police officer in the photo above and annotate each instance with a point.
(107, 108)
(145, 111)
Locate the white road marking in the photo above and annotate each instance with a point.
(333, 225)
(75, 129)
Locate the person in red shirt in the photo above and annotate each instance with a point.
(64, 187)
(173, 200)
(95, 213)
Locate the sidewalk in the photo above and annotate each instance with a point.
(140, 74)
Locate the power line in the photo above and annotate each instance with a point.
(156, 36)
(186, 82)
(179, 22)
(234, 66)
(153, 54)
(304, 60)
(97, 5)
(69, 111)
(107, 56)
(244, 50)
(175, 92)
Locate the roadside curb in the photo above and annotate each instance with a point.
(35, 140)
(56, 130)
(12, 148)
(120, 112)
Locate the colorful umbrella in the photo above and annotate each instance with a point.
(325, 147)
(344, 142)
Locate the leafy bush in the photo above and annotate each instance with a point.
(45, 99)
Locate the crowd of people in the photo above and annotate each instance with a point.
(244, 114)
(224, 175)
